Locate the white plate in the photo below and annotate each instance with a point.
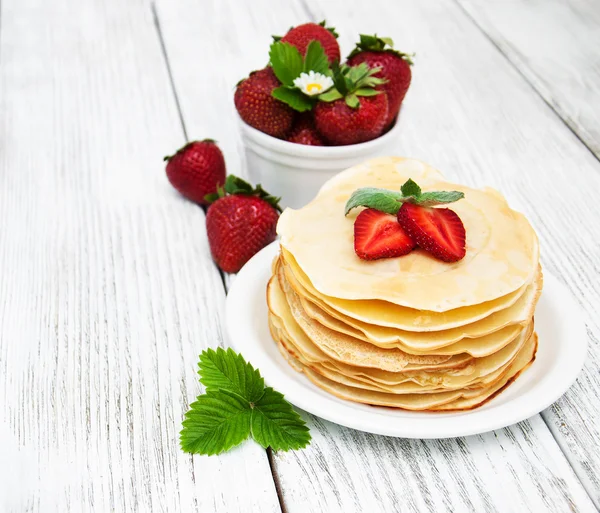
(561, 353)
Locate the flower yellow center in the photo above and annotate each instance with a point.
(311, 88)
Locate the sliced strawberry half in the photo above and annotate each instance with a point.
(439, 231)
(378, 235)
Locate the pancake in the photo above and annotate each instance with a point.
(480, 338)
(441, 341)
(486, 372)
(468, 372)
(384, 313)
(499, 263)
(346, 349)
(463, 399)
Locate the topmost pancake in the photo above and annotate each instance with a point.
(502, 248)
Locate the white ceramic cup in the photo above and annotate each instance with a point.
(296, 172)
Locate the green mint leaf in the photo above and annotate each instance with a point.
(286, 61)
(430, 199)
(215, 423)
(227, 370)
(294, 98)
(275, 424)
(390, 202)
(380, 199)
(330, 96)
(316, 59)
(410, 188)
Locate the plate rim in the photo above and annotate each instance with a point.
(344, 412)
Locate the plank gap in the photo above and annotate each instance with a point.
(572, 129)
(275, 476)
(169, 71)
(309, 14)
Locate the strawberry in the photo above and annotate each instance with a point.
(196, 170)
(240, 222)
(258, 108)
(302, 35)
(394, 67)
(439, 231)
(352, 112)
(378, 235)
(304, 132)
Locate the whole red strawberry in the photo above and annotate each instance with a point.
(258, 108)
(302, 35)
(305, 132)
(240, 223)
(352, 112)
(196, 170)
(395, 68)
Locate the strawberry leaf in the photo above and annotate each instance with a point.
(330, 29)
(212, 197)
(316, 59)
(237, 405)
(275, 424)
(294, 98)
(215, 423)
(235, 185)
(330, 96)
(339, 80)
(227, 370)
(286, 61)
(379, 44)
(363, 91)
(352, 101)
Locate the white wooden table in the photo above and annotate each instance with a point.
(108, 293)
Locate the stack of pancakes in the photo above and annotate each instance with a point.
(410, 332)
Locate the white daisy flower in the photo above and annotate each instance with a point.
(312, 83)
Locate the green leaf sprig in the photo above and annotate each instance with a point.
(237, 405)
(288, 63)
(390, 202)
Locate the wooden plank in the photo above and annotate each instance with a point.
(470, 114)
(108, 293)
(555, 45)
(516, 469)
